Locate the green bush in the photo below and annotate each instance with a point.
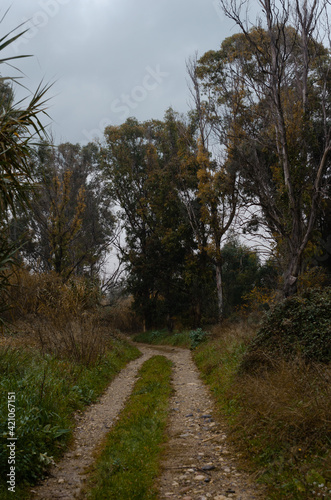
(156, 335)
(197, 337)
(300, 325)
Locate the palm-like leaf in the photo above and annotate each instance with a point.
(19, 124)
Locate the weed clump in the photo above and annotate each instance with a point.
(197, 337)
(46, 294)
(81, 339)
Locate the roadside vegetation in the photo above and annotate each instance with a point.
(278, 407)
(163, 337)
(189, 339)
(48, 391)
(58, 352)
(129, 463)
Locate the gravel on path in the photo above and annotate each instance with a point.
(197, 464)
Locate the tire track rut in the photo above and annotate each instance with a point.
(197, 463)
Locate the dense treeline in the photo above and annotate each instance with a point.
(252, 155)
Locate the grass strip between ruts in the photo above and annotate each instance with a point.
(129, 463)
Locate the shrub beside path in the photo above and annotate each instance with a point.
(197, 463)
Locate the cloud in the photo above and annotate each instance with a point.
(98, 52)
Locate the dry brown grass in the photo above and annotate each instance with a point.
(47, 296)
(292, 401)
(46, 293)
(290, 398)
(120, 316)
(58, 318)
(229, 333)
(80, 339)
(279, 411)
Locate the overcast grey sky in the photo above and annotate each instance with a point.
(111, 59)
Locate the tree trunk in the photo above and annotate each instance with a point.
(290, 284)
(197, 314)
(219, 286)
(291, 276)
(170, 323)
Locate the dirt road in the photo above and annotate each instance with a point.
(198, 463)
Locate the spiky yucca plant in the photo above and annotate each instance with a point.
(20, 125)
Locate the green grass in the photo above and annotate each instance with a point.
(129, 464)
(278, 418)
(47, 392)
(164, 337)
(218, 363)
